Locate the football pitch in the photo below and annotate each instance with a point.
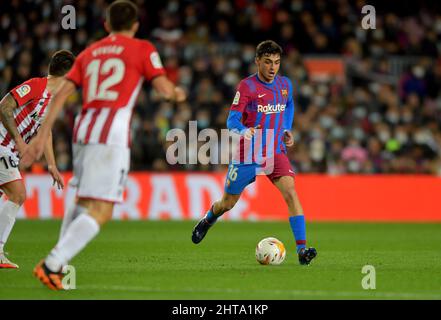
(157, 260)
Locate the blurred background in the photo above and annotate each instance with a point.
(367, 101)
(367, 151)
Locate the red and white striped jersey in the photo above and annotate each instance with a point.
(111, 72)
(32, 98)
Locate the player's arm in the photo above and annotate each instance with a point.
(168, 90)
(240, 101)
(288, 118)
(7, 106)
(37, 145)
(51, 163)
(67, 87)
(154, 72)
(235, 124)
(234, 121)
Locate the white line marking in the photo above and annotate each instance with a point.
(319, 293)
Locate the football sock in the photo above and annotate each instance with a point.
(7, 219)
(211, 217)
(71, 213)
(80, 232)
(299, 230)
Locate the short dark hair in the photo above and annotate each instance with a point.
(61, 62)
(121, 15)
(268, 47)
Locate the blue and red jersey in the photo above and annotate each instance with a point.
(269, 105)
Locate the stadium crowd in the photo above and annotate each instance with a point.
(383, 117)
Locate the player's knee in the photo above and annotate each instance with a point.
(100, 214)
(18, 198)
(101, 211)
(105, 218)
(102, 217)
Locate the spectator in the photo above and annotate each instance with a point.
(385, 117)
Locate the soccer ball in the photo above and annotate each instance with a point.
(270, 251)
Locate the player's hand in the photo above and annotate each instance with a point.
(180, 94)
(249, 134)
(288, 138)
(21, 147)
(33, 152)
(56, 176)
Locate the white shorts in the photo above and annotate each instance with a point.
(8, 166)
(100, 171)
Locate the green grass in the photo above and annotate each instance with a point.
(157, 260)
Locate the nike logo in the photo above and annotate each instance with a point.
(261, 95)
(291, 171)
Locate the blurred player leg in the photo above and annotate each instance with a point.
(91, 215)
(97, 192)
(16, 194)
(72, 211)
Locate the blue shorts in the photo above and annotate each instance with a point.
(240, 175)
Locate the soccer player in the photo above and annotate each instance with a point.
(110, 72)
(21, 114)
(263, 107)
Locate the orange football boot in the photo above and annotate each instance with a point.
(52, 280)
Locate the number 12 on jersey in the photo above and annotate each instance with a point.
(101, 91)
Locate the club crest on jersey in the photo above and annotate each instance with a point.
(23, 90)
(236, 98)
(284, 93)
